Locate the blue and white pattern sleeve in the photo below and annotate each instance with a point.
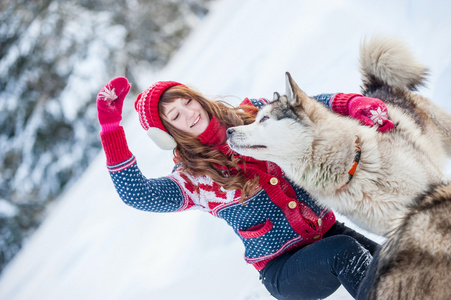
(259, 103)
(178, 191)
(157, 195)
(326, 99)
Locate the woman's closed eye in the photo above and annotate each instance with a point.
(178, 114)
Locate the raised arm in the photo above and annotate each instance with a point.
(157, 195)
(369, 111)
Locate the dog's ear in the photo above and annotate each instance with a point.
(294, 94)
(288, 90)
(298, 98)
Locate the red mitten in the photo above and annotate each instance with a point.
(369, 111)
(109, 103)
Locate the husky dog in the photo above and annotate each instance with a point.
(317, 148)
(415, 262)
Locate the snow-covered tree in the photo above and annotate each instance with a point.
(54, 57)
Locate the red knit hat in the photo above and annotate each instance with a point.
(146, 105)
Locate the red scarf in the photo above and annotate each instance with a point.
(215, 136)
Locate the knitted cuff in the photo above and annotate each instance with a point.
(340, 103)
(246, 101)
(108, 127)
(115, 146)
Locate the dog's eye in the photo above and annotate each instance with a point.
(264, 119)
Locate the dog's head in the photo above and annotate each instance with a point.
(285, 124)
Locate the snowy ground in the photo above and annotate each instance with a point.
(92, 246)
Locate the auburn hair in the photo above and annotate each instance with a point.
(200, 159)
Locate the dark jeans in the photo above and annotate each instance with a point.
(317, 270)
(368, 281)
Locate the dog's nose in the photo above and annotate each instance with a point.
(229, 132)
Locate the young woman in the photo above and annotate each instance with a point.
(298, 247)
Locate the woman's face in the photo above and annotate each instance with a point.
(187, 115)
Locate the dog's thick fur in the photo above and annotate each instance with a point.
(316, 147)
(415, 262)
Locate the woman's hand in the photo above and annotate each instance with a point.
(110, 101)
(370, 111)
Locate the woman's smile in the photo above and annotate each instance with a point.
(195, 122)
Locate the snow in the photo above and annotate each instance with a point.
(6, 209)
(90, 67)
(92, 246)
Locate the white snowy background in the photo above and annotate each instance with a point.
(92, 246)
